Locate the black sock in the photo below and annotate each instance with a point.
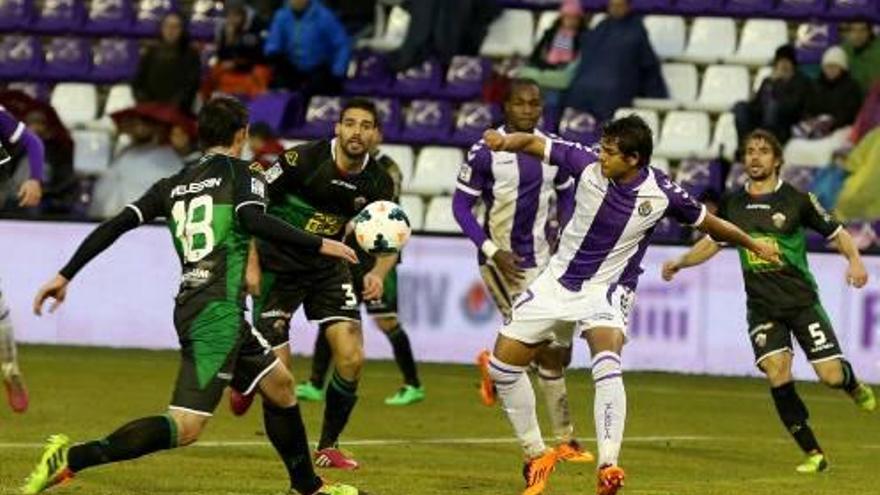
(138, 438)
(285, 429)
(403, 355)
(850, 382)
(794, 416)
(340, 400)
(321, 358)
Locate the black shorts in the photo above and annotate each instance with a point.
(810, 326)
(326, 295)
(386, 305)
(217, 348)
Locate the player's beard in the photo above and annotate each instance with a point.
(760, 175)
(354, 156)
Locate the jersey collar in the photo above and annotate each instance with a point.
(776, 189)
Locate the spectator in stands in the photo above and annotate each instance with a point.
(147, 159)
(182, 138)
(858, 200)
(442, 29)
(863, 54)
(554, 58)
(240, 68)
(780, 100)
(308, 48)
(170, 71)
(617, 64)
(834, 100)
(264, 144)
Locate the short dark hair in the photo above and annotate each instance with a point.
(219, 120)
(262, 130)
(519, 82)
(364, 104)
(769, 138)
(632, 136)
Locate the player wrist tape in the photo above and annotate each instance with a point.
(489, 248)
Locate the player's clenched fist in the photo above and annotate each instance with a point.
(670, 268)
(494, 140)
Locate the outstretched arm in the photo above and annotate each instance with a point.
(724, 231)
(515, 142)
(701, 252)
(856, 275)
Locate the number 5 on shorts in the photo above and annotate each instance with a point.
(817, 333)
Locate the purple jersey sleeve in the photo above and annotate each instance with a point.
(571, 158)
(476, 172)
(14, 132)
(682, 206)
(462, 210)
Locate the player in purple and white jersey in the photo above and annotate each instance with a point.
(15, 138)
(518, 190)
(591, 280)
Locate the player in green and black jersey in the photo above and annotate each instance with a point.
(319, 187)
(212, 208)
(782, 300)
(384, 313)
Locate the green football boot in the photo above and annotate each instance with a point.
(406, 395)
(814, 463)
(863, 396)
(52, 468)
(309, 393)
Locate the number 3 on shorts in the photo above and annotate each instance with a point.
(351, 299)
(817, 333)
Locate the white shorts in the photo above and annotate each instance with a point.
(547, 311)
(504, 292)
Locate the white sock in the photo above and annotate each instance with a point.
(609, 406)
(7, 341)
(518, 401)
(552, 383)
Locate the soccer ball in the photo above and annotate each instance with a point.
(382, 227)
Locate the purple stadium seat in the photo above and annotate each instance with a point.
(322, 113)
(812, 39)
(668, 230)
(371, 74)
(799, 177)
(150, 13)
(749, 7)
(280, 109)
(799, 9)
(16, 14)
(114, 60)
(591, 4)
(696, 177)
(549, 121)
(67, 59)
(60, 16)
(651, 6)
(580, 127)
(390, 118)
(849, 9)
(699, 7)
(110, 17)
(427, 122)
(37, 90)
(736, 177)
(419, 81)
(206, 16)
(465, 78)
(473, 119)
(21, 57)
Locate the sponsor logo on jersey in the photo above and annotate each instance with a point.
(465, 173)
(196, 187)
(276, 313)
(757, 206)
(256, 167)
(779, 219)
(342, 183)
(196, 276)
(224, 376)
(258, 188)
(645, 208)
(290, 157)
(273, 173)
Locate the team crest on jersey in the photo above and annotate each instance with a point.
(645, 208)
(360, 202)
(779, 219)
(273, 173)
(290, 157)
(256, 167)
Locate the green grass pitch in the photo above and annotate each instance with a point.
(687, 435)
